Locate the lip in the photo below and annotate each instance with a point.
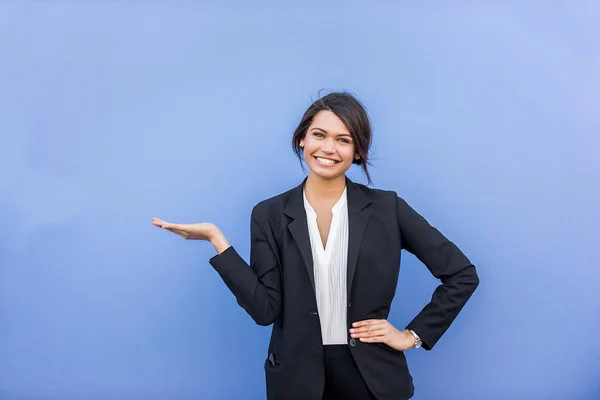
(326, 165)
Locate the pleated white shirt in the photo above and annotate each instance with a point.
(330, 266)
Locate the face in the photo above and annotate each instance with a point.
(328, 146)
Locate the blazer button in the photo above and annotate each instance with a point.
(352, 342)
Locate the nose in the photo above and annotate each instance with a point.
(328, 146)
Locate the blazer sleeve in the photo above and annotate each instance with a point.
(257, 287)
(447, 263)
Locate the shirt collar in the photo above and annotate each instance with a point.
(342, 201)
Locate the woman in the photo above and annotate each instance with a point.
(324, 265)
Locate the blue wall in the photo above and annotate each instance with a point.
(486, 121)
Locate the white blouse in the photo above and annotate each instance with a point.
(330, 268)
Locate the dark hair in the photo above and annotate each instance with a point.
(352, 113)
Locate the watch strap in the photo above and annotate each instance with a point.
(418, 341)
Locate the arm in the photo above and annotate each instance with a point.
(447, 263)
(257, 287)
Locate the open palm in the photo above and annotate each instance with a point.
(197, 231)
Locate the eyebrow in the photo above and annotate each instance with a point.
(339, 134)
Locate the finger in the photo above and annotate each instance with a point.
(366, 322)
(181, 227)
(159, 222)
(168, 225)
(374, 333)
(370, 327)
(374, 339)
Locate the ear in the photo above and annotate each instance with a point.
(302, 143)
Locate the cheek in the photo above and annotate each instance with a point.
(310, 146)
(347, 153)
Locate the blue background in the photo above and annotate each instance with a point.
(486, 120)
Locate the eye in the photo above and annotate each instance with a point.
(318, 134)
(345, 141)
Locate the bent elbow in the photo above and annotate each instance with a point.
(266, 319)
(466, 279)
(471, 278)
(264, 316)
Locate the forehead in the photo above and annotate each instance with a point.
(329, 122)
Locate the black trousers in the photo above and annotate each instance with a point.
(343, 380)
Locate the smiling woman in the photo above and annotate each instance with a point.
(342, 118)
(325, 258)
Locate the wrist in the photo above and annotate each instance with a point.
(218, 240)
(417, 342)
(409, 337)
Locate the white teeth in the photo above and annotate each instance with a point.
(325, 161)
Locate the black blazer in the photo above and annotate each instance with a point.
(279, 287)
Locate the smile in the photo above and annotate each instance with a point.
(326, 161)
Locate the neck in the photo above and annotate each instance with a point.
(325, 188)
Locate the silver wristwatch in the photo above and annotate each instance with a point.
(418, 341)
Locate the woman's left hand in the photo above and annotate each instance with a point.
(381, 331)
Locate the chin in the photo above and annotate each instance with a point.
(327, 174)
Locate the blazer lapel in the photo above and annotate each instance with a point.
(299, 228)
(358, 218)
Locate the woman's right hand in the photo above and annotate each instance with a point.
(198, 231)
